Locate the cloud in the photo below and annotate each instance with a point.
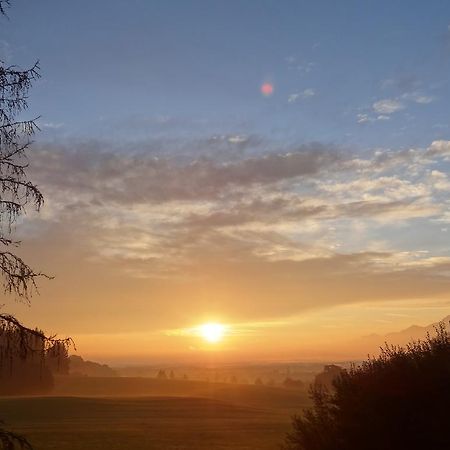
(309, 182)
(307, 93)
(51, 125)
(363, 118)
(238, 139)
(440, 180)
(290, 59)
(423, 99)
(385, 107)
(388, 106)
(304, 67)
(403, 84)
(366, 118)
(290, 229)
(417, 97)
(439, 148)
(125, 178)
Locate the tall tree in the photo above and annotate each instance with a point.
(17, 192)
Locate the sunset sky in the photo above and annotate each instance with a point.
(279, 167)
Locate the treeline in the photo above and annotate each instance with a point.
(29, 369)
(288, 382)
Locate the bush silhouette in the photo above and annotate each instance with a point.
(398, 400)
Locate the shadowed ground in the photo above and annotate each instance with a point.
(156, 422)
(265, 397)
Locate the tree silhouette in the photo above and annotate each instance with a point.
(17, 342)
(16, 191)
(3, 5)
(161, 375)
(398, 400)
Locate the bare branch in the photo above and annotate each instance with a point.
(16, 190)
(19, 277)
(13, 441)
(3, 5)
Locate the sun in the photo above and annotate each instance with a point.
(212, 332)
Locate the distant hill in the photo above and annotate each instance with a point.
(78, 366)
(413, 333)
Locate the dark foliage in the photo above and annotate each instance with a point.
(16, 191)
(161, 375)
(3, 5)
(28, 358)
(23, 351)
(398, 400)
(13, 441)
(79, 367)
(325, 379)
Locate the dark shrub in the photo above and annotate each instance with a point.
(398, 400)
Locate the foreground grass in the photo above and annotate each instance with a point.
(142, 423)
(226, 417)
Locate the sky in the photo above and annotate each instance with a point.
(178, 193)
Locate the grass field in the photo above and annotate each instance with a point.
(196, 415)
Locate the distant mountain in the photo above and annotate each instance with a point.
(415, 332)
(372, 342)
(78, 366)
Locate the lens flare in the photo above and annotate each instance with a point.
(267, 89)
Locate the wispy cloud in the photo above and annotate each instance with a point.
(307, 93)
(302, 66)
(419, 98)
(381, 110)
(367, 118)
(388, 106)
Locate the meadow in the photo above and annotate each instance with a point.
(139, 413)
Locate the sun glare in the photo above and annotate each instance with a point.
(212, 332)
